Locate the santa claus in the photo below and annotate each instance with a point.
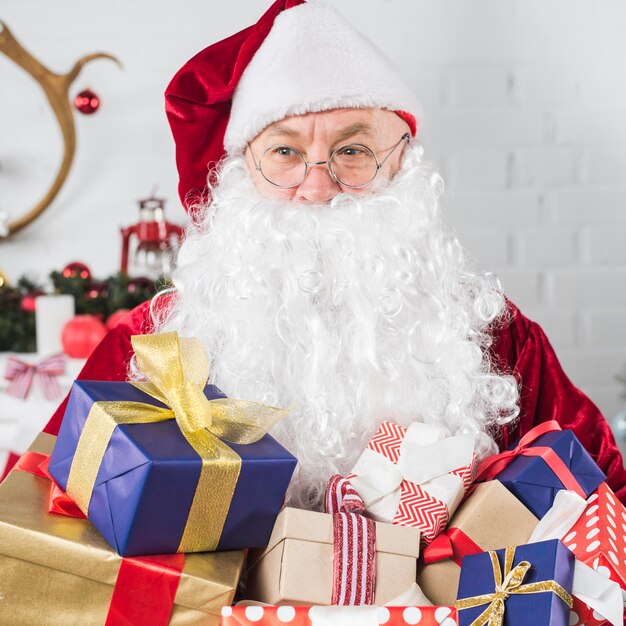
(318, 270)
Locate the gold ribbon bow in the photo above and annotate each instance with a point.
(505, 586)
(177, 370)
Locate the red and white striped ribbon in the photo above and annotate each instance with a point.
(354, 540)
(21, 376)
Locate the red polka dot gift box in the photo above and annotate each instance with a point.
(338, 616)
(583, 615)
(598, 537)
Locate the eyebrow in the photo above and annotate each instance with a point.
(358, 128)
(283, 131)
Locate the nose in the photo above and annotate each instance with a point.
(318, 185)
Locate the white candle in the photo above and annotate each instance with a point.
(51, 314)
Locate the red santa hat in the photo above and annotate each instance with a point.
(298, 58)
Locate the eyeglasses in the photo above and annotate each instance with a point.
(354, 165)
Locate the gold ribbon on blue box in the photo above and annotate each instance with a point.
(177, 370)
(509, 582)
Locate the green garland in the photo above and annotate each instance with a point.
(17, 327)
(102, 298)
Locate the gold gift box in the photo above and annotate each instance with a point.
(296, 568)
(59, 570)
(491, 517)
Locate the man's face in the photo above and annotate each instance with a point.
(316, 136)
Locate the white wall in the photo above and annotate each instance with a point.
(524, 107)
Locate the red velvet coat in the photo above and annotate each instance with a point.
(521, 348)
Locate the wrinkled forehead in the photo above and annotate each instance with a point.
(336, 125)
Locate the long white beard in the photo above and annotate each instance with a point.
(352, 312)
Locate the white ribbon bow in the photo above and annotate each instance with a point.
(426, 458)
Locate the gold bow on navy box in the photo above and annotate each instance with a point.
(553, 559)
(100, 423)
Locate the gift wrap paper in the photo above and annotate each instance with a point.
(57, 570)
(150, 472)
(598, 538)
(493, 518)
(297, 565)
(582, 615)
(549, 561)
(532, 481)
(338, 616)
(414, 476)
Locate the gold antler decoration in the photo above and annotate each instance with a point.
(56, 87)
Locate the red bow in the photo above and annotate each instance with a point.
(22, 374)
(354, 545)
(453, 544)
(493, 465)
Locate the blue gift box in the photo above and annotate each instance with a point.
(148, 477)
(549, 561)
(535, 484)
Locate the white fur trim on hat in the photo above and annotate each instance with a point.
(313, 60)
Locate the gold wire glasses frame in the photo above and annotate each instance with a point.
(347, 165)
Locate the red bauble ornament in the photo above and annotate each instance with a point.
(114, 319)
(81, 335)
(29, 301)
(96, 289)
(139, 284)
(87, 102)
(75, 270)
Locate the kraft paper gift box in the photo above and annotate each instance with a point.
(491, 518)
(414, 476)
(536, 479)
(212, 495)
(338, 616)
(57, 570)
(297, 565)
(536, 580)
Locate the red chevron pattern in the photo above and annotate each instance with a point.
(467, 473)
(421, 510)
(387, 440)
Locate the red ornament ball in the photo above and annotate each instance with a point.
(87, 102)
(28, 303)
(115, 318)
(139, 284)
(81, 335)
(96, 289)
(76, 270)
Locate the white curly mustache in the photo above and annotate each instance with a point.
(353, 312)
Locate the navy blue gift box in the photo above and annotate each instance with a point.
(535, 484)
(549, 561)
(147, 478)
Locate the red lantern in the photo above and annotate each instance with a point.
(155, 243)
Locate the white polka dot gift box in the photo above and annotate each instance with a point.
(414, 476)
(583, 615)
(598, 537)
(338, 616)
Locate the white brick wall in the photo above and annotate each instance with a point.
(524, 115)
